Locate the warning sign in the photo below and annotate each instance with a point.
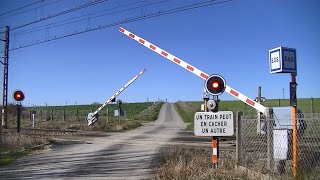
(213, 124)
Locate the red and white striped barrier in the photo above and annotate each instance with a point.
(192, 69)
(91, 119)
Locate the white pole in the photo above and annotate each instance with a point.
(33, 117)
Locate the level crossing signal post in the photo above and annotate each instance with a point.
(214, 85)
(18, 96)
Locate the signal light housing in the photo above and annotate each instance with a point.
(215, 84)
(18, 95)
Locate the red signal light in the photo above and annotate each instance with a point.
(215, 84)
(18, 95)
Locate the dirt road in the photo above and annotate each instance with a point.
(128, 155)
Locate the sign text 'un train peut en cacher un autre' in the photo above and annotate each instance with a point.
(213, 124)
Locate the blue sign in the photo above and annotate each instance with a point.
(282, 60)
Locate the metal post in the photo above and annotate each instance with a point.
(270, 156)
(51, 115)
(294, 132)
(238, 138)
(5, 79)
(215, 143)
(215, 150)
(258, 112)
(205, 105)
(18, 117)
(33, 121)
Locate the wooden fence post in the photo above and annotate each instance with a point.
(312, 109)
(78, 115)
(51, 115)
(64, 115)
(30, 118)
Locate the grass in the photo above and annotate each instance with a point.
(183, 163)
(15, 146)
(7, 157)
(188, 109)
(136, 114)
(131, 108)
(194, 163)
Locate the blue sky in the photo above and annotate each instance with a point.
(231, 39)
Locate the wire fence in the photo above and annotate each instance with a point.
(66, 118)
(265, 145)
(64, 115)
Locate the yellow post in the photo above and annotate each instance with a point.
(294, 135)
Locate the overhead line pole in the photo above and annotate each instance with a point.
(5, 78)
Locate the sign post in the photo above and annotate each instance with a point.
(284, 60)
(294, 123)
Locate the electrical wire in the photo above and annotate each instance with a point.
(152, 15)
(62, 13)
(49, 26)
(21, 8)
(31, 9)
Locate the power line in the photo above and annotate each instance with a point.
(31, 9)
(21, 8)
(1, 32)
(49, 26)
(152, 15)
(62, 13)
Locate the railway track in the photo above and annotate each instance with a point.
(51, 132)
